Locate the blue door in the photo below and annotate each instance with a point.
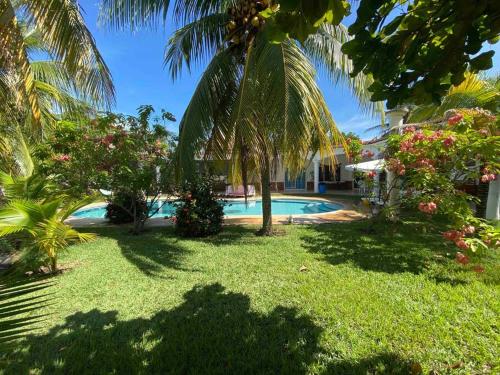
(298, 183)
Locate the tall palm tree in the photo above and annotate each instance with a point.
(257, 103)
(60, 26)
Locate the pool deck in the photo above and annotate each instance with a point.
(347, 213)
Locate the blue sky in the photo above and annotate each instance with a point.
(136, 62)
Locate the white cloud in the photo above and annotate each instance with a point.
(359, 124)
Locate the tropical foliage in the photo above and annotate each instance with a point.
(199, 211)
(428, 46)
(474, 92)
(30, 89)
(257, 103)
(35, 209)
(125, 155)
(434, 163)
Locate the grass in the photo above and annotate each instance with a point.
(386, 300)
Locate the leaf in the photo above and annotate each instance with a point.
(483, 62)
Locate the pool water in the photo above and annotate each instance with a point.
(238, 208)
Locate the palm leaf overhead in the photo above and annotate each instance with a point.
(137, 14)
(60, 31)
(472, 92)
(195, 41)
(324, 49)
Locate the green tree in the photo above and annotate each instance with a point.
(257, 102)
(126, 155)
(416, 50)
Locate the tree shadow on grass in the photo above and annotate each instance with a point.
(212, 332)
(151, 252)
(160, 248)
(393, 248)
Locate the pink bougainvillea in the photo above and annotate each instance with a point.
(434, 163)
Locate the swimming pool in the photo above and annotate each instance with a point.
(238, 208)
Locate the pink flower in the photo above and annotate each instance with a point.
(449, 141)
(453, 120)
(406, 146)
(409, 129)
(484, 132)
(371, 175)
(462, 258)
(419, 136)
(462, 244)
(488, 177)
(108, 139)
(62, 158)
(428, 208)
(469, 229)
(453, 235)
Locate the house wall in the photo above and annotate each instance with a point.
(345, 175)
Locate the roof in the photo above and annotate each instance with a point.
(367, 166)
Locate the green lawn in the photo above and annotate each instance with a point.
(370, 302)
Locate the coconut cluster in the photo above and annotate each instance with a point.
(245, 19)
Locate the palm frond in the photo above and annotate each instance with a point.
(195, 42)
(324, 49)
(297, 114)
(472, 92)
(137, 14)
(63, 31)
(14, 57)
(209, 101)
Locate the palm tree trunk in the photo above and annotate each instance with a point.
(267, 218)
(53, 264)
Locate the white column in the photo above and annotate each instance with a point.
(493, 205)
(376, 186)
(316, 175)
(396, 117)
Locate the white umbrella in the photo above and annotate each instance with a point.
(367, 166)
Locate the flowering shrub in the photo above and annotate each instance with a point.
(433, 163)
(355, 147)
(199, 212)
(126, 155)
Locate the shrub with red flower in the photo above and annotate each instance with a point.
(434, 161)
(455, 119)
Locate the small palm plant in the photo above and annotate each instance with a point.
(35, 207)
(43, 222)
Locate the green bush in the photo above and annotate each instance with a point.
(120, 210)
(199, 212)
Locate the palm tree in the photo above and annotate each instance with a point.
(34, 206)
(43, 222)
(257, 103)
(58, 26)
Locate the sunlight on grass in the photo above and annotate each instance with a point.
(375, 301)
